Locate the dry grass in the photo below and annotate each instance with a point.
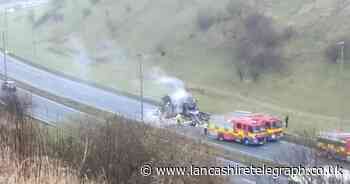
(24, 160)
(39, 170)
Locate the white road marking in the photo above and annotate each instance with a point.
(248, 181)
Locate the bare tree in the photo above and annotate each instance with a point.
(259, 48)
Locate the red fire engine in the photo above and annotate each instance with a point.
(334, 145)
(273, 125)
(241, 129)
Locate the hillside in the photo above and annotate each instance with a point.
(196, 41)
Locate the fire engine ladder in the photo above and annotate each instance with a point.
(335, 135)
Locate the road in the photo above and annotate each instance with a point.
(13, 5)
(44, 109)
(250, 179)
(76, 91)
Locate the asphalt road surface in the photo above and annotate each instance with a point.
(43, 109)
(13, 5)
(251, 179)
(76, 91)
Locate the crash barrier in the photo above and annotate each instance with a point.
(62, 100)
(301, 140)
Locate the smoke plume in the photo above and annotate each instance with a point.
(178, 92)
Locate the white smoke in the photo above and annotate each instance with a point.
(81, 56)
(171, 82)
(178, 92)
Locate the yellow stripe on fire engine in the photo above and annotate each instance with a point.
(272, 131)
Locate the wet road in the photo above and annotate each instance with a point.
(44, 109)
(76, 91)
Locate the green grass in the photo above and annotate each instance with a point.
(309, 89)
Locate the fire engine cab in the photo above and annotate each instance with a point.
(272, 125)
(242, 129)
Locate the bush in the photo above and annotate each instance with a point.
(86, 12)
(236, 8)
(258, 48)
(17, 106)
(259, 30)
(289, 33)
(118, 147)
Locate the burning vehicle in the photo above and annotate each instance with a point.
(179, 102)
(182, 103)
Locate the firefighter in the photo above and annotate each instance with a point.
(286, 121)
(205, 130)
(178, 119)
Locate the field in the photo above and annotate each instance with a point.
(101, 42)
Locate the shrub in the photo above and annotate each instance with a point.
(86, 12)
(236, 8)
(258, 48)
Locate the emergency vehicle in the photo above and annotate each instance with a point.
(334, 145)
(273, 126)
(240, 129)
(8, 86)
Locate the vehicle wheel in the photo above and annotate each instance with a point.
(246, 142)
(221, 137)
(329, 155)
